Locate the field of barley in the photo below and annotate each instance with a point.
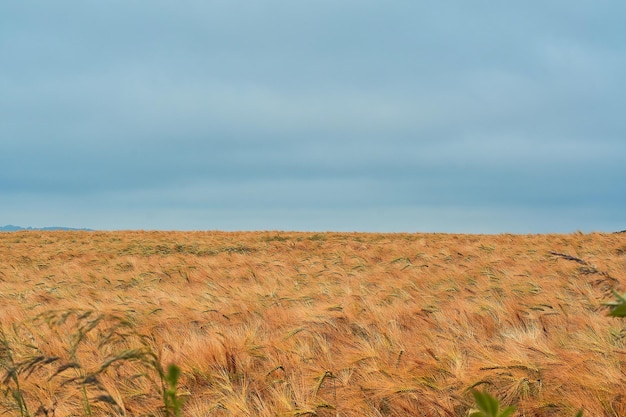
(309, 324)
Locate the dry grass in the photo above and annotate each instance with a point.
(301, 324)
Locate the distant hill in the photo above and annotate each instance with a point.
(11, 228)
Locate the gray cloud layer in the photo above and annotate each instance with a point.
(313, 115)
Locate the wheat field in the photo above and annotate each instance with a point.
(310, 324)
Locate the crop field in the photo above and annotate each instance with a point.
(309, 324)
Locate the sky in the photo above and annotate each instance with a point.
(314, 115)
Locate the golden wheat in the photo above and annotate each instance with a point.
(330, 324)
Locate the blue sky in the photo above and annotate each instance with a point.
(350, 115)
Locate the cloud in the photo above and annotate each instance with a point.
(272, 108)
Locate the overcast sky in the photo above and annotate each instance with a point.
(346, 115)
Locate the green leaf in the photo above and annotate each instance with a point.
(507, 411)
(173, 373)
(618, 310)
(173, 404)
(579, 413)
(486, 403)
(489, 406)
(620, 298)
